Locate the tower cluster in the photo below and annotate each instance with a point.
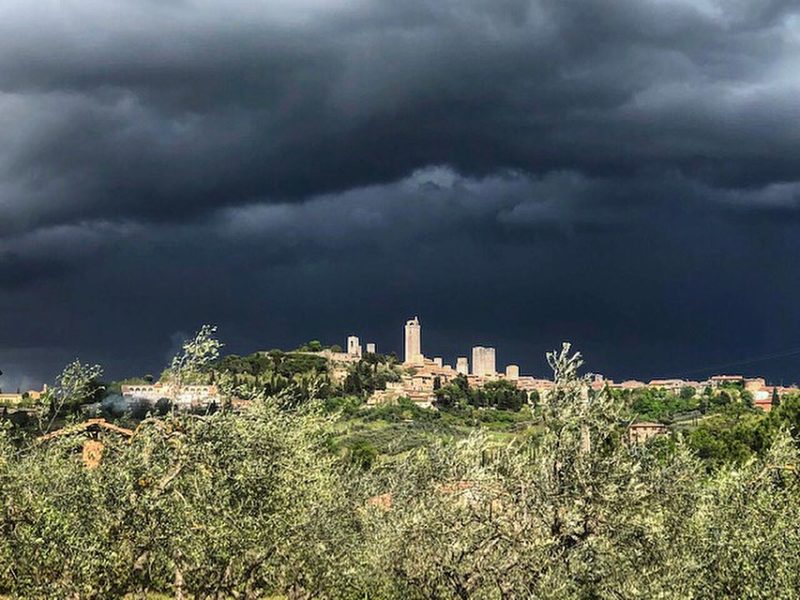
(484, 358)
(354, 349)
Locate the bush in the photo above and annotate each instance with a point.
(226, 504)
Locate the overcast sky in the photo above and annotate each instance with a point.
(623, 174)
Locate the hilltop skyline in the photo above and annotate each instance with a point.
(517, 172)
(538, 368)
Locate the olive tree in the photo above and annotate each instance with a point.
(746, 538)
(224, 504)
(76, 384)
(574, 512)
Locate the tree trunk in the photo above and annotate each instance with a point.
(178, 584)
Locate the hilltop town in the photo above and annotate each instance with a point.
(420, 376)
(424, 375)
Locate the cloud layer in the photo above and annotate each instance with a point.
(625, 174)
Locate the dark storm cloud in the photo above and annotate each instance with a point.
(511, 260)
(159, 110)
(623, 174)
(16, 271)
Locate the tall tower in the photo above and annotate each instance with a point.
(462, 365)
(490, 363)
(477, 361)
(353, 346)
(483, 361)
(413, 342)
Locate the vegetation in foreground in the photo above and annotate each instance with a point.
(255, 503)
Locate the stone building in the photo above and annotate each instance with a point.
(354, 346)
(186, 395)
(418, 384)
(721, 380)
(417, 389)
(462, 365)
(413, 345)
(671, 385)
(755, 384)
(483, 361)
(371, 348)
(512, 372)
(641, 432)
(532, 384)
(7, 399)
(10, 399)
(629, 384)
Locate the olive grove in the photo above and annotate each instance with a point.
(253, 503)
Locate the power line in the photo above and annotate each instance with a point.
(747, 361)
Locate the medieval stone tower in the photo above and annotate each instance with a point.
(483, 361)
(413, 342)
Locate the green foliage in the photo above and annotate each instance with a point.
(306, 498)
(788, 414)
(312, 346)
(297, 377)
(578, 513)
(343, 405)
(657, 404)
(776, 398)
(736, 433)
(745, 537)
(719, 441)
(77, 384)
(196, 357)
(403, 410)
(550, 518)
(371, 373)
(363, 454)
(225, 504)
(500, 394)
(455, 394)
(275, 362)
